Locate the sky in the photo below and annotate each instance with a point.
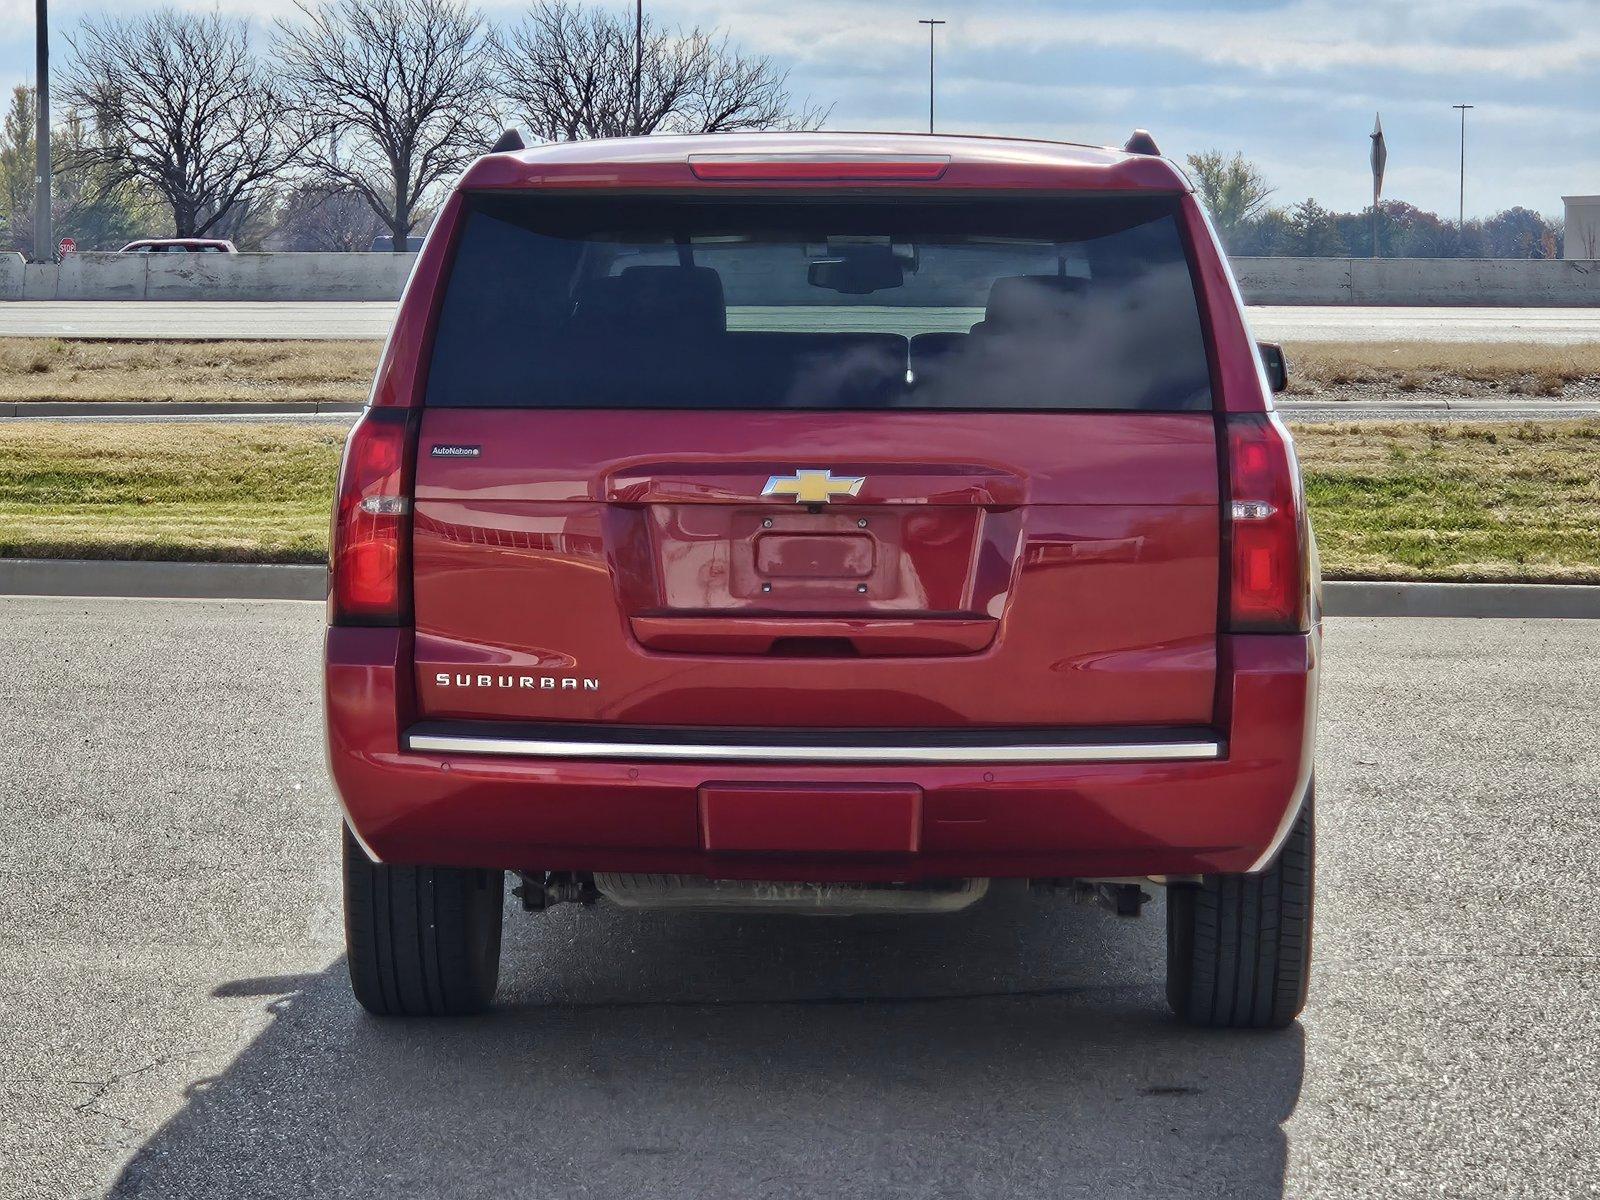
(1293, 84)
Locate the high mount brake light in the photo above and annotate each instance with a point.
(818, 168)
(1269, 565)
(369, 552)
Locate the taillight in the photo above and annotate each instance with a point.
(1268, 581)
(369, 552)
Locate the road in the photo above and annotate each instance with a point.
(223, 319)
(174, 1016)
(1318, 323)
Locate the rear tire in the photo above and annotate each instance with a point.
(421, 941)
(1239, 946)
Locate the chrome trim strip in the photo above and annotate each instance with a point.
(688, 752)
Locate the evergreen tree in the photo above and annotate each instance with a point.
(1314, 231)
(86, 202)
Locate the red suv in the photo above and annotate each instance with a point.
(827, 523)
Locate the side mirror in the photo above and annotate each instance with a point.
(1277, 366)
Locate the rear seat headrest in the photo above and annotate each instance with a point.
(1022, 300)
(676, 301)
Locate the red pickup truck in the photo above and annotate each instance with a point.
(829, 523)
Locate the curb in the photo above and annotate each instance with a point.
(276, 581)
(25, 409)
(1508, 408)
(170, 580)
(1354, 598)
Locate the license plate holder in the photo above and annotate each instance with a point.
(803, 818)
(814, 556)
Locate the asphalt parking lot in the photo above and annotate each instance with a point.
(174, 1016)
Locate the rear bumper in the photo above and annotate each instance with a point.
(1081, 815)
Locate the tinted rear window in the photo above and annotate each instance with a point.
(647, 302)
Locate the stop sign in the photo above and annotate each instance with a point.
(68, 245)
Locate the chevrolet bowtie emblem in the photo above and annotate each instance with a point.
(813, 487)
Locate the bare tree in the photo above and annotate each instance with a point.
(570, 72)
(182, 106)
(398, 95)
(313, 218)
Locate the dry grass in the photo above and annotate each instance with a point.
(53, 369)
(1447, 368)
(1390, 501)
(36, 369)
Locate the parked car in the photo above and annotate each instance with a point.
(835, 523)
(384, 243)
(179, 246)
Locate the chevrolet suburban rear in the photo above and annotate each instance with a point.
(827, 523)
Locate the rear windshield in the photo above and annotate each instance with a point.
(650, 302)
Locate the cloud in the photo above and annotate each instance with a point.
(1434, 37)
(1319, 36)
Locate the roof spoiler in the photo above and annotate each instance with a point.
(1142, 143)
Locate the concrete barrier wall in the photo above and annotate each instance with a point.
(277, 276)
(1533, 283)
(101, 276)
(11, 276)
(265, 277)
(1309, 280)
(260, 277)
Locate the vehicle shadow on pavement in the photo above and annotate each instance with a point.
(1020, 1049)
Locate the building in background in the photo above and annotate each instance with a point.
(1583, 227)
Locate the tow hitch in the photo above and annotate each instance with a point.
(1120, 897)
(539, 891)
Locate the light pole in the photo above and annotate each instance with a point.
(43, 236)
(1461, 211)
(638, 63)
(932, 25)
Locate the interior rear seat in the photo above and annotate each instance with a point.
(1017, 304)
(651, 302)
(1030, 303)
